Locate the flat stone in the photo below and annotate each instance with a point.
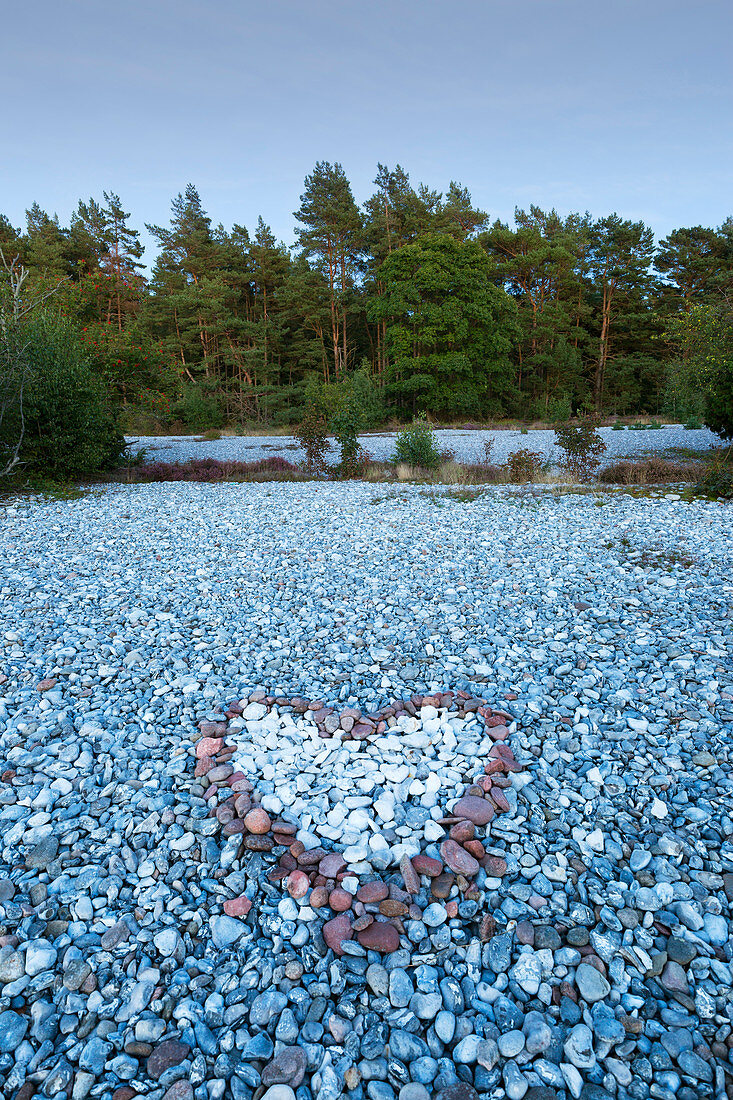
(458, 859)
(473, 808)
(379, 936)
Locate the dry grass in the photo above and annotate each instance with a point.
(649, 471)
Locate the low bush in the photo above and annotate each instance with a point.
(650, 471)
(583, 444)
(417, 446)
(524, 465)
(312, 435)
(212, 470)
(60, 413)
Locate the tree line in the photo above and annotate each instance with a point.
(416, 297)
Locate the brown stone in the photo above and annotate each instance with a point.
(208, 746)
(525, 933)
(179, 1090)
(237, 907)
(391, 908)
(331, 864)
(257, 821)
(371, 893)
(442, 885)
(287, 1068)
(499, 799)
(478, 810)
(254, 843)
(124, 1092)
(47, 684)
(476, 848)
(410, 876)
(462, 831)
(319, 897)
(336, 931)
(458, 859)
(339, 900)
(220, 773)
(426, 865)
(494, 866)
(297, 884)
(379, 936)
(497, 733)
(167, 1054)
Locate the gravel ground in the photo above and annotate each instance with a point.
(468, 446)
(516, 883)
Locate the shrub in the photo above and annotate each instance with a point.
(582, 445)
(648, 471)
(199, 409)
(717, 481)
(212, 470)
(67, 427)
(312, 435)
(417, 446)
(694, 424)
(524, 465)
(618, 427)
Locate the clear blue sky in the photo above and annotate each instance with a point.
(579, 104)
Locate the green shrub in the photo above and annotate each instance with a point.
(694, 424)
(417, 446)
(618, 427)
(67, 427)
(199, 408)
(312, 435)
(524, 465)
(582, 444)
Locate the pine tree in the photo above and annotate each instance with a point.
(330, 232)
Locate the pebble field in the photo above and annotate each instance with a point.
(311, 790)
(467, 445)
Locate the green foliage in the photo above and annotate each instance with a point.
(717, 481)
(417, 446)
(200, 408)
(524, 465)
(449, 328)
(70, 431)
(583, 445)
(704, 337)
(312, 435)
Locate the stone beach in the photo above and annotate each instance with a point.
(311, 790)
(467, 444)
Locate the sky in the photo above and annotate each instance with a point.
(599, 105)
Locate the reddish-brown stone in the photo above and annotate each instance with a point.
(410, 876)
(297, 884)
(319, 897)
(336, 931)
(476, 848)
(499, 799)
(208, 746)
(237, 907)
(379, 936)
(391, 908)
(478, 810)
(166, 1055)
(462, 831)
(258, 821)
(458, 859)
(426, 865)
(494, 866)
(442, 885)
(330, 865)
(339, 900)
(371, 893)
